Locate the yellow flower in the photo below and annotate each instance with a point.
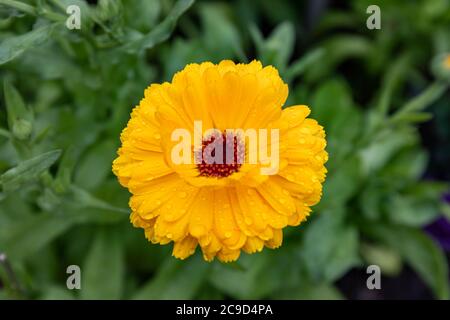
(222, 207)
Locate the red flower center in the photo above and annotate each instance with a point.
(221, 155)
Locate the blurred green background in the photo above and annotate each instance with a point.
(382, 96)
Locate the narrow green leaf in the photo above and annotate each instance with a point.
(12, 47)
(161, 32)
(330, 247)
(91, 170)
(277, 49)
(420, 102)
(28, 170)
(84, 199)
(103, 270)
(394, 76)
(413, 117)
(29, 235)
(299, 66)
(310, 291)
(419, 251)
(20, 118)
(175, 279)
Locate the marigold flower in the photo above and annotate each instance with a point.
(222, 207)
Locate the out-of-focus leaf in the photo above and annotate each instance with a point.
(338, 49)
(383, 147)
(29, 235)
(309, 291)
(387, 259)
(309, 59)
(260, 274)
(419, 251)
(65, 169)
(277, 49)
(394, 76)
(28, 170)
(342, 184)
(143, 14)
(20, 118)
(330, 248)
(57, 293)
(408, 164)
(420, 102)
(332, 106)
(411, 211)
(14, 46)
(175, 280)
(161, 32)
(84, 199)
(217, 25)
(92, 169)
(103, 270)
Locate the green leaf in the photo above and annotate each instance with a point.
(259, 274)
(103, 269)
(299, 66)
(20, 118)
(85, 199)
(411, 211)
(29, 235)
(161, 32)
(56, 293)
(420, 102)
(338, 49)
(176, 280)
(277, 49)
(333, 107)
(28, 170)
(12, 47)
(142, 14)
(342, 184)
(330, 248)
(216, 24)
(310, 291)
(383, 147)
(92, 170)
(387, 259)
(419, 251)
(395, 74)
(414, 117)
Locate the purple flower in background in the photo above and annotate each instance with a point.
(440, 229)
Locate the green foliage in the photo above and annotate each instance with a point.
(67, 94)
